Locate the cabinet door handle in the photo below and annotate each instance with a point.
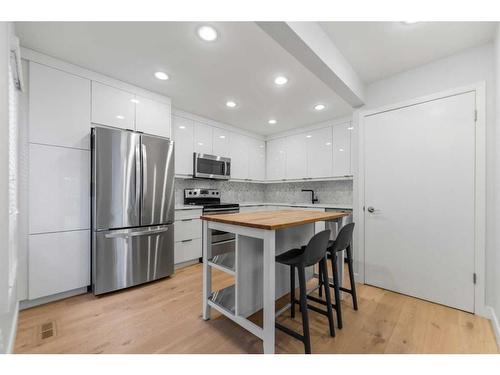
(187, 219)
(187, 240)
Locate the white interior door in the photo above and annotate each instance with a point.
(419, 179)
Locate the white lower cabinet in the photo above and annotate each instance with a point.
(187, 229)
(188, 250)
(187, 236)
(59, 189)
(58, 262)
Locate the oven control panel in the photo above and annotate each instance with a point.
(201, 193)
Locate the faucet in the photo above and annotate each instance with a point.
(313, 198)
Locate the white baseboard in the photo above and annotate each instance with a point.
(179, 266)
(27, 304)
(495, 324)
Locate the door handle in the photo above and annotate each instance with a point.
(372, 209)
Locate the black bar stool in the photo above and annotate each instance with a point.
(342, 242)
(313, 253)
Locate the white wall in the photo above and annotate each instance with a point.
(495, 202)
(8, 294)
(465, 68)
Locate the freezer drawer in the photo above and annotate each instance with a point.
(127, 257)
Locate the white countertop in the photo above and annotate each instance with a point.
(252, 204)
(308, 205)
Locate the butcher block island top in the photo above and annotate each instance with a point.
(272, 220)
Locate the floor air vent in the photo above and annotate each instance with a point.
(47, 330)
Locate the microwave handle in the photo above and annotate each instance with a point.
(227, 170)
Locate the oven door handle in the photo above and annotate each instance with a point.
(232, 211)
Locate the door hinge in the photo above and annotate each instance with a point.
(475, 115)
(474, 277)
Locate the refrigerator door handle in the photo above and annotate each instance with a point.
(138, 175)
(144, 174)
(127, 234)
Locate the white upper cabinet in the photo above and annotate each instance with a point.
(59, 107)
(257, 159)
(184, 140)
(202, 138)
(59, 189)
(342, 150)
(221, 142)
(319, 153)
(276, 159)
(239, 156)
(296, 156)
(152, 117)
(112, 106)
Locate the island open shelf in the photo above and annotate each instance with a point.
(225, 299)
(224, 262)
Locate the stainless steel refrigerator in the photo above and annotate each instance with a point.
(132, 208)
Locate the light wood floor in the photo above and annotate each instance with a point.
(165, 317)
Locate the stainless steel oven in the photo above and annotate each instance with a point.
(211, 166)
(222, 242)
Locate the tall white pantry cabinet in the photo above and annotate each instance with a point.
(62, 107)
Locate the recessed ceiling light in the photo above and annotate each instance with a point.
(328, 143)
(120, 117)
(134, 101)
(319, 107)
(350, 128)
(280, 80)
(161, 76)
(200, 143)
(341, 149)
(272, 121)
(222, 136)
(207, 33)
(309, 136)
(182, 127)
(230, 104)
(410, 22)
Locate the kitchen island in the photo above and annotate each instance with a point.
(259, 281)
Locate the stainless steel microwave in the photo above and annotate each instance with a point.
(211, 166)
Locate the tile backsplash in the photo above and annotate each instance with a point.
(326, 191)
(337, 192)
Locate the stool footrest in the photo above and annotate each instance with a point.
(289, 332)
(319, 300)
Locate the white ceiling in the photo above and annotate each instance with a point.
(380, 49)
(240, 65)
